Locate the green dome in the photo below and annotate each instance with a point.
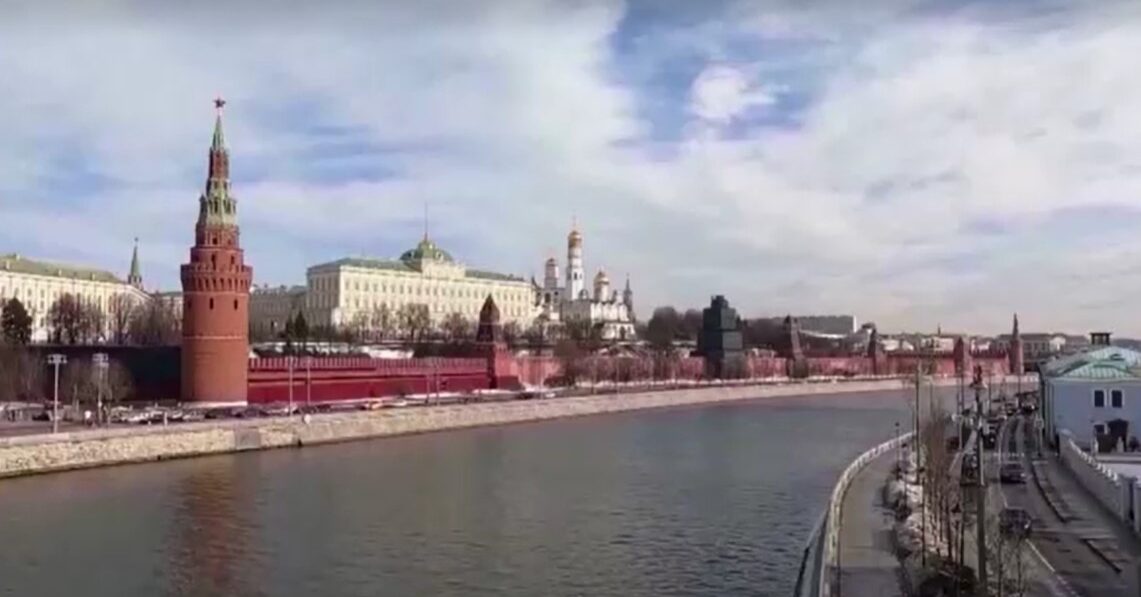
(426, 251)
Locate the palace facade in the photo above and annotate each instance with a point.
(39, 284)
(350, 292)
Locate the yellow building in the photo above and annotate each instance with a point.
(350, 291)
(39, 284)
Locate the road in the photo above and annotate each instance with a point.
(1079, 548)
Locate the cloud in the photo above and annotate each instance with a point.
(721, 93)
(914, 165)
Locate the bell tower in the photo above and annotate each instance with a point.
(216, 289)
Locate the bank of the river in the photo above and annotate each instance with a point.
(33, 454)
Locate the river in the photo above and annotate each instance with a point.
(716, 500)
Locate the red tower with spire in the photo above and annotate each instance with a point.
(216, 289)
(1017, 357)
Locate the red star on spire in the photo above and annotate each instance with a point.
(219, 102)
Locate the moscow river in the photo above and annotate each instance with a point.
(715, 500)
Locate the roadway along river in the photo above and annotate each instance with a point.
(705, 501)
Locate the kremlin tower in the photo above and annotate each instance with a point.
(216, 288)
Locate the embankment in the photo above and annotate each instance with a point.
(33, 454)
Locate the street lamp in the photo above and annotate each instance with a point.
(308, 382)
(101, 363)
(56, 360)
(290, 385)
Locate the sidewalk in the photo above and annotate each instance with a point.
(867, 562)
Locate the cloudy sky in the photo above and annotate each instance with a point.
(915, 163)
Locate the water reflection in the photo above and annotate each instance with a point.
(211, 522)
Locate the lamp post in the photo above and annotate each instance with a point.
(56, 360)
(980, 487)
(101, 363)
(308, 383)
(290, 385)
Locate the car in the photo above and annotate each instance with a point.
(1015, 522)
(1011, 473)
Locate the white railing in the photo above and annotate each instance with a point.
(830, 561)
(1103, 482)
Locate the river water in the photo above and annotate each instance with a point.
(716, 500)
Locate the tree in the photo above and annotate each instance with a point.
(120, 309)
(16, 322)
(382, 321)
(77, 382)
(691, 324)
(92, 322)
(664, 327)
(153, 324)
(301, 329)
(66, 319)
(511, 333)
(21, 374)
(359, 326)
(414, 320)
(457, 328)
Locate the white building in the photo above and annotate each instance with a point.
(271, 307)
(1037, 346)
(351, 291)
(1087, 391)
(600, 305)
(39, 284)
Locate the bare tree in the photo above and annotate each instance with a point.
(382, 321)
(21, 374)
(65, 319)
(77, 382)
(154, 324)
(457, 328)
(93, 322)
(512, 333)
(414, 320)
(360, 325)
(118, 383)
(120, 310)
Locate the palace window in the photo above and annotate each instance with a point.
(1099, 398)
(1115, 398)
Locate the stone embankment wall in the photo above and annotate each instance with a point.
(44, 453)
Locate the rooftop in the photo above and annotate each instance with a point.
(403, 266)
(1106, 362)
(13, 262)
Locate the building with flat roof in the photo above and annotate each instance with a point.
(356, 291)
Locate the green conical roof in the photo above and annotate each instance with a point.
(135, 276)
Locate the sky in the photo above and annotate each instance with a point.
(917, 164)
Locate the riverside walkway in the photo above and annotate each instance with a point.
(867, 562)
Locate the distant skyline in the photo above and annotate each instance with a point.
(914, 163)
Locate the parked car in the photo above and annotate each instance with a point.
(1012, 472)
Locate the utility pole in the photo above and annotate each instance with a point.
(980, 485)
(308, 383)
(56, 360)
(99, 359)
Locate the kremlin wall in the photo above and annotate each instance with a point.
(215, 369)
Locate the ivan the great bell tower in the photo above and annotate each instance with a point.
(216, 292)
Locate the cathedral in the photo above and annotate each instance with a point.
(574, 301)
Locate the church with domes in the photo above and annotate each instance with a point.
(570, 299)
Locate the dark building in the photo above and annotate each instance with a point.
(720, 341)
